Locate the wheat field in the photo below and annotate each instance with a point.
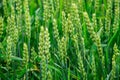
(59, 39)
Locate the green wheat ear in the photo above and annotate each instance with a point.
(33, 55)
(25, 59)
(108, 18)
(94, 20)
(5, 7)
(62, 50)
(69, 26)
(57, 5)
(115, 61)
(95, 38)
(8, 29)
(47, 44)
(93, 35)
(97, 4)
(41, 42)
(81, 66)
(14, 30)
(25, 54)
(48, 11)
(41, 53)
(116, 16)
(55, 29)
(9, 50)
(44, 53)
(79, 57)
(19, 15)
(37, 23)
(64, 23)
(27, 19)
(47, 51)
(1, 26)
(75, 19)
(93, 67)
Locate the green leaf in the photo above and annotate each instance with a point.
(54, 68)
(16, 58)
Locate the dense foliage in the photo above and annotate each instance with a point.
(59, 39)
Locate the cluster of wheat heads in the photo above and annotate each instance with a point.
(59, 39)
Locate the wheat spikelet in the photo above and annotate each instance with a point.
(74, 17)
(14, 30)
(97, 3)
(5, 7)
(25, 54)
(44, 54)
(116, 16)
(48, 11)
(47, 44)
(55, 30)
(62, 50)
(64, 29)
(115, 56)
(19, 15)
(79, 58)
(94, 20)
(66, 4)
(57, 5)
(41, 54)
(11, 30)
(25, 59)
(69, 26)
(9, 49)
(37, 23)
(93, 67)
(108, 18)
(33, 55)
(89, 27)
(27, 19)
(95, 38)
(1, 26)
(81, 67)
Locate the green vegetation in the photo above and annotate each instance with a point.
(59, 39)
